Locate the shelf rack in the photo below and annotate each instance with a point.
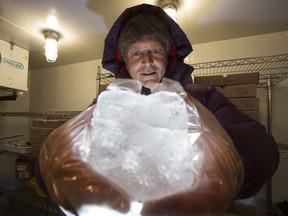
(24, 194)
(273, 68)
(28, 196)
(27, 156)
(43, 115)
(105, 78)
(267, 209)
(283, 150)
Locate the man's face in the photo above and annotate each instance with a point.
(146, 61)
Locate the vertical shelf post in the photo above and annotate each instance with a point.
(269, 128)
(98, 80)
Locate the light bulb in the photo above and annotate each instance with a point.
(51, 45)
(51, 49)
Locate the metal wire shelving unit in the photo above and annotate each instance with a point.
(103, 80)
(267, 209)
(64, 115)
(26, 195)
(283, 150)
(271, 70)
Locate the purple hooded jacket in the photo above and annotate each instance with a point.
(257, 149)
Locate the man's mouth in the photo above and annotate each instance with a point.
(148, 73)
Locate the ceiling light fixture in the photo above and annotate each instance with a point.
(170, 7)
(51, 45)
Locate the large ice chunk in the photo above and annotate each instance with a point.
(141, 142)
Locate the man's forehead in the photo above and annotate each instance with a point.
(145, 44)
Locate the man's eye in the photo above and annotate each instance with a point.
(156, 51)
(136, 53)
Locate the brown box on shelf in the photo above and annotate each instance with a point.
(230, 79)
(254, 114)
(37, 145)
(44, 123)
(246, 103)
(37, 138)
(236, 91)
(40, 131)
(23, 168)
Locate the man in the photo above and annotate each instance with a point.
(146, 45)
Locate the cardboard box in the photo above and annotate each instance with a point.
(237, 91)
(40, 131)
(37, 139)
(253, 114)
(246, 103)
(36, 143)
(24, 168)
(231, 79)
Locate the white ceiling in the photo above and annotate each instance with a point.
(84, 24)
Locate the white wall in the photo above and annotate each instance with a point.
(66, 88)
(279, 114)
(254, 46)
(280, 133)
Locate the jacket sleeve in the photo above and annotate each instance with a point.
(257, 149)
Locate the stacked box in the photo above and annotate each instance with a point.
(231, 79)
(241, 89)
(39, 131)
(24, 168)
(255, 114)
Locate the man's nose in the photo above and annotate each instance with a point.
(147, 57)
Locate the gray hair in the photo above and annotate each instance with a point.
(144, 27)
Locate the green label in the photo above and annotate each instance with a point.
(13, 63)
